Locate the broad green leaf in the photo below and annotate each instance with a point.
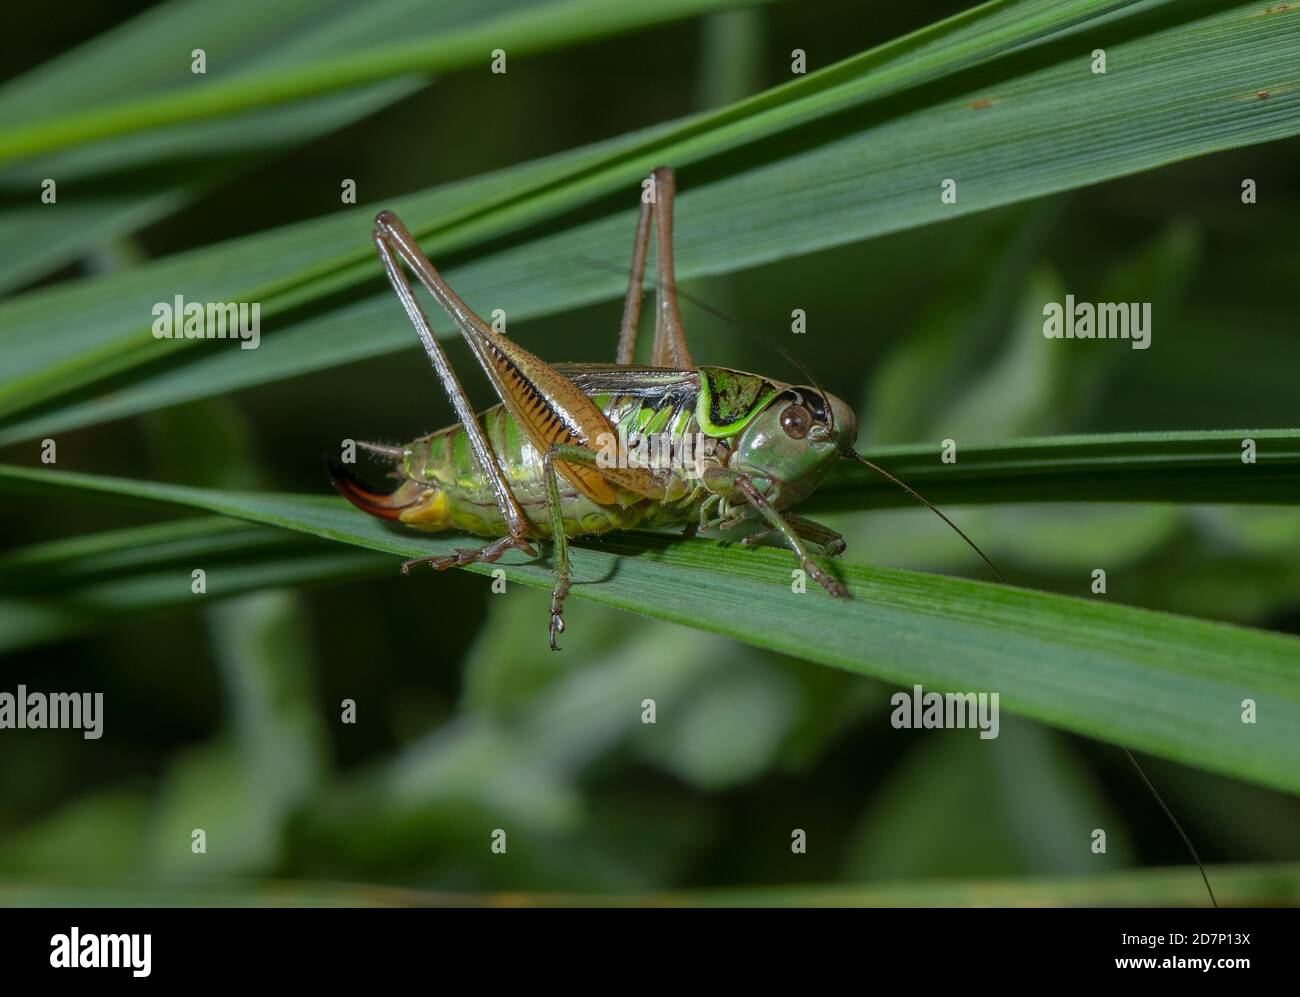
(1001, 99)
(147, 568)
(1152, 681)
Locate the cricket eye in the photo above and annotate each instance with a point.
(796, 421)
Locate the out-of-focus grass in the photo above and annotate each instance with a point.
(1165, 684)
(1236, 886)
(226, 712)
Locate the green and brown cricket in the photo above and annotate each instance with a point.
(560, 456)
(563, 456)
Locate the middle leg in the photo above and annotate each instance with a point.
(569, 454)
(391, 240)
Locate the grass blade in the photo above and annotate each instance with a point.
(55, 590)
(1155, 682)
(524, 30)
(1202, 466)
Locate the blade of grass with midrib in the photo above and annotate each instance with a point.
(526, 29)
(1155, 682)
(1192, 466)
(54, 590)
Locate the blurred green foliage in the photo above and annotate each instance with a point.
(228, 717)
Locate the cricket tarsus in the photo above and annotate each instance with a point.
(458, 558)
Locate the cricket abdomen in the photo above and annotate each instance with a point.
(458, 496)
(442, 487)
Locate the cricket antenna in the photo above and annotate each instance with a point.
(854, 455)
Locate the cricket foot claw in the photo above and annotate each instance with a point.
(833, 586)
(509, 543)
(557, 609)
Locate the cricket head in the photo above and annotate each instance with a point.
(792, 441)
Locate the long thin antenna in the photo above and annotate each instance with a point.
(929, 505)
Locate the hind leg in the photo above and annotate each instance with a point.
(458, 558)
(669, 348)
(392, 240)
